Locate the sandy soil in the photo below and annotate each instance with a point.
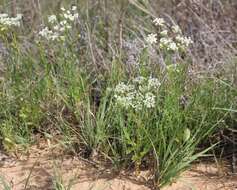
(38, 169)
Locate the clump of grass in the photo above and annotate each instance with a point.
(39, 92)
(135, 123)
(58, 182)
(166, 136)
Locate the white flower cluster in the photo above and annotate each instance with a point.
(183, 41)
(168, 43)
(151, 38)
(7, 21)
(159, 21)
(170, 37)
(139, 94)
(48, 34)
(59, 26)
(70, 14)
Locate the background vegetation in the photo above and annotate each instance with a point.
(65, 90)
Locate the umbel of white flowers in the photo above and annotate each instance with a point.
(7, 21)
(138, 94)
(170, 37)
(57, 27)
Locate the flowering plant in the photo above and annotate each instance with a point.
(170, 37)
(59, 25)
(7, 22)
(141, 93)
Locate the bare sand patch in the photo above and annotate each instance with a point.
(38, 169)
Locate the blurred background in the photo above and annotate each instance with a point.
(211, 24)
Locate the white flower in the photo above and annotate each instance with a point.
(179, 38)
(183, 42)
(123, 88)
(187, 41)
(19, 16)
(172, 46)
(164, 42)
(138, 101)
(138, 94)
(74, 8)
(48, 34)
(164, 33)
(65, 15)
(56, 27)
(151, 38)
(124, 101)
(68, 26)
(64, 22)
(62, 29)
(3, 15)
(71, 17)
(10, 21)
(168, 44)
(159, 21)
(149, 100)
(52, 18)
(45, 32)
(176, 29)
(54, 36)
(153, 83)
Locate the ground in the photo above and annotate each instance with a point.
(36, 171)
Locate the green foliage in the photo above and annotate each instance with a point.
(60, 88)
(58, 183)
(36, 92)
(4, 184)
(167, 135)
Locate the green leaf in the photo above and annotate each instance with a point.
(187, 134)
